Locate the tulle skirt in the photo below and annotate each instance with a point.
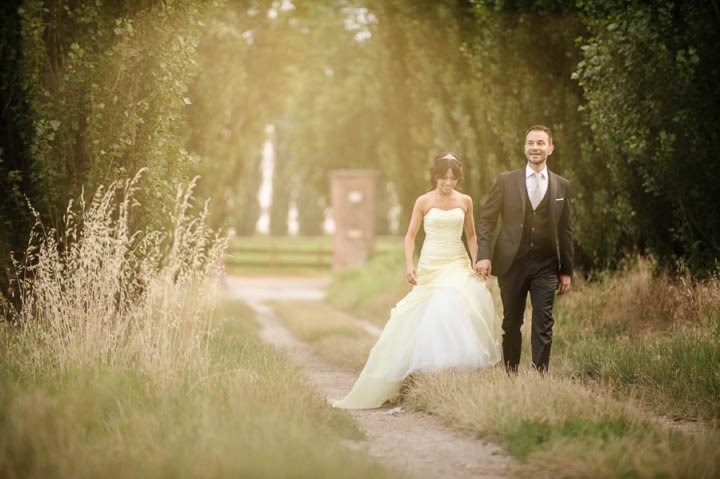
(446, 321)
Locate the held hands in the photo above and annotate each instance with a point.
(411, 275)
(483, 268)
(564, 284)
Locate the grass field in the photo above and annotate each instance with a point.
(370, 291)
(328, 330)
(649, 336)
(117, 367)
(250, 414)
(629, 348)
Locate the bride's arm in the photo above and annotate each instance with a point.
(413, 227)
(470, 233)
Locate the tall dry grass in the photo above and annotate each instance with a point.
(253, 415)
(628, 346)
(116, 365)
(647, 334)
(561, 428)
(98, 293)
(640, 330)
(644, 299)
(558, 424)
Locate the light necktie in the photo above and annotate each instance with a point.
(536, 196)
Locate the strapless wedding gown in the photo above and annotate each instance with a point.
(446, 321)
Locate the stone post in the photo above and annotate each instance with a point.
(352, 193)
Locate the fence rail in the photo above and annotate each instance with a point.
(292, 254)
(278, 256)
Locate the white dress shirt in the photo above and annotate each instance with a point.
(530, 180)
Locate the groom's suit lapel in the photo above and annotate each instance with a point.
(552, 194)
(522, 186)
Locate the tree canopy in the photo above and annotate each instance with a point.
(94, 91)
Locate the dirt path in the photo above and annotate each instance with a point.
(417, 443)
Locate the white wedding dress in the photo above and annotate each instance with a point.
(446, 321)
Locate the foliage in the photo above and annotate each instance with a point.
(523, 55)
(15, 220)
(98, 93)
(331, 118)
(106, 85)
(652, 88)
(239, 93)
(630, 90)
(426, 95)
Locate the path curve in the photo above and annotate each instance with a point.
(415, 442)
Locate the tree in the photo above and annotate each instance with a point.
(652, 85)
(94, 91)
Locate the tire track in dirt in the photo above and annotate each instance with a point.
(412, 441)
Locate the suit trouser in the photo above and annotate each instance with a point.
(539, 277)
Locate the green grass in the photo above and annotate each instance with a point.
(628, 348)
(371, 291)
(557, 422)
(383, 244)
(250, 415)
(561, 427)
(648, 335)
(330, 332)
(676, 373)
(304, 243)
(290, 254)
(529, 436)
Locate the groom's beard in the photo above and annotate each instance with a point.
(537, 160)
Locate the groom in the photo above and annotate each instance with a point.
(534, 249)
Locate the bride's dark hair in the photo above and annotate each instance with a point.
(443, 162)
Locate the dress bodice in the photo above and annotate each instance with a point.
(443, 237)
(444, 225)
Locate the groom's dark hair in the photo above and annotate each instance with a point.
(540, 128)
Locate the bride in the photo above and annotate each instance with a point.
(447, 320)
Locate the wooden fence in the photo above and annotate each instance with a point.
(293, 254)
(279, 256)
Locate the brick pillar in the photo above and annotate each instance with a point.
(352, 194)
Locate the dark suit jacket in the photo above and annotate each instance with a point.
(508, 199)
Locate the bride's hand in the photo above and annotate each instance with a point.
(483, 268)
(411, 275)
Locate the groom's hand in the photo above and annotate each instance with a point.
(483, 268)
(564, 284)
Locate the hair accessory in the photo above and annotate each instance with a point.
(449, 156)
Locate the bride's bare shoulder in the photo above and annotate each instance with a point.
(466, 201)
(422, 203)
